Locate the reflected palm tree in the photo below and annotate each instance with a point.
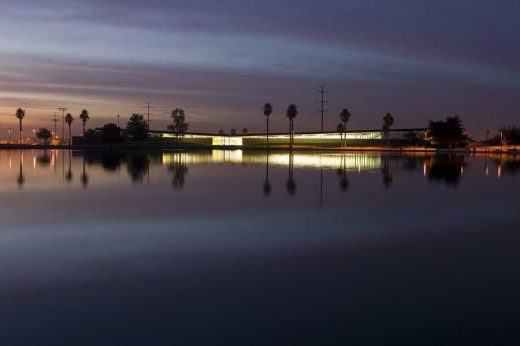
(291, 184)
(20, 178)
(137, 166)
(387, 175)
(342, 174)
(84, 176)
(267, 184)
(68, 176)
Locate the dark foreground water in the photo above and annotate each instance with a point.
(227, 248)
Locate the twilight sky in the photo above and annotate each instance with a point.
(222, 60)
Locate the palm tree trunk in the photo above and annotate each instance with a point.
(20, 131)
(267, 132)
(83, 129)
(70, 136)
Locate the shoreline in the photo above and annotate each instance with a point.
(510, 150)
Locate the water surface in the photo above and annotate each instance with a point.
(245, 248)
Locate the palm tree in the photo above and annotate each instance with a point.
(69, 119)
(268, 110)
(344, 117)
(292, 112)
(388, 122)
(84, 117)
(340, 128)
(20, 114)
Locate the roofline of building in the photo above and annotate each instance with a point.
(285, 133)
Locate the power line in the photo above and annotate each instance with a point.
(323, 101)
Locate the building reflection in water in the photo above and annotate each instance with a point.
(446, 168)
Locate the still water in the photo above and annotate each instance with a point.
(240, 248)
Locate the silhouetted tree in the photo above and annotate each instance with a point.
(448, 132)
(69, 119)
(388, 122)
(233, 132)
(44, 134)
(292, 112)
(344, 117)
(341, 129)
(90, 133)
(511, 134)
(179, 125)
(84, 117)
(245, 130)
(268, 110)
(221, 132)
(20, 114)
(137, 127)
(110, 133)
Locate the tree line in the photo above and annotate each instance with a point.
(448, 132)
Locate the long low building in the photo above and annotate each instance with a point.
(309, 138)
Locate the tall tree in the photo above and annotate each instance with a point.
(388, 122)
(179, 125)
(20, 114)
(84, 117)
(69, 119)
(292, 112)
(44, 134)
(137, 127)
(447, 132)
(268, 110)
(341, 129)
(344, 117)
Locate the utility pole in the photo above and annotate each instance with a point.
(323, 102)
(55, 121)
(148, 107)
(62, 109)
(118, 120)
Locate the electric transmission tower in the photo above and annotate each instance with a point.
(148, 106)
(323, 102)
(55, 121)
(62, 109)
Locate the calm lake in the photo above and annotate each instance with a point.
(242, 248)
